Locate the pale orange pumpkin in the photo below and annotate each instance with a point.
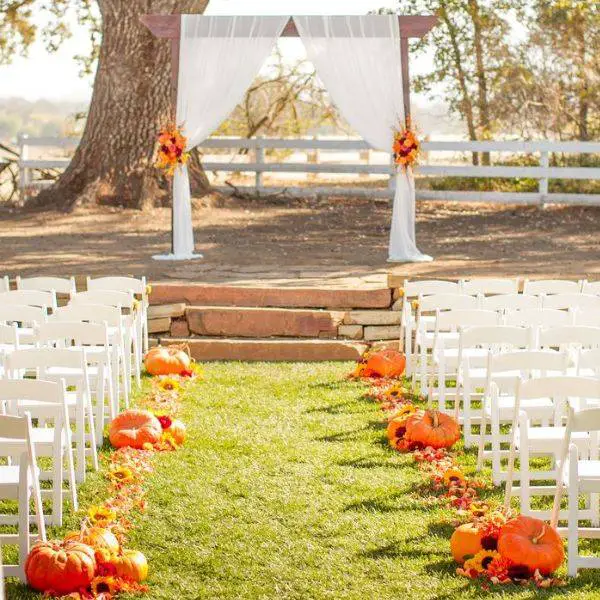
(131, 564)
(60, 567)
(432, 428)
(134, 428)
(171, 360)
(96, 537)
(177, 430)
(386, 363)
(531, 542)
(465, 542)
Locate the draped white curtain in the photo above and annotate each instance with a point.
(219, 58)
(358, 60)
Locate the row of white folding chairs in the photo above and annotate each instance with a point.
(558, 417)
(459, 356)
(585, 309)
(49, 287)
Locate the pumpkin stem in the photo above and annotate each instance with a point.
(435, 418)
(535, 540)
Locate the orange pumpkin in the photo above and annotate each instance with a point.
(131, 564)
(177, 430)
(60, 567)
(530, 542)
(170, 360)
(96, 537)
(134, 428)
(465, 542)
(432, 428)
(386, 363)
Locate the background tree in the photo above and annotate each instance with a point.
(130, 100)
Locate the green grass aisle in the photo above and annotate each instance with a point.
(286, 488)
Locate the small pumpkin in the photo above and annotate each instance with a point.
(96, 537)
(432, 428)
(386, 363)
(60, 567)
(465, 542)
(532, 543)
(171, 360)
(134, 428)
(131, 564)
(177, 430)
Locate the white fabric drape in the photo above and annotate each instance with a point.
(219, 58)
(358, 59)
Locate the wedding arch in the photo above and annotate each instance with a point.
(362, 60)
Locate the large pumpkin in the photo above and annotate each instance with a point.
(170, 360)
(465, 542)
(60, 567)
(134, 428)
(131, 564)
(532, 543)
(386, 363)
(432, 428)
(96, 537)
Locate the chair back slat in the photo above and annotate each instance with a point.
(119, 284)
(551, 286)
(539, 317)
(61, 285)
(511, 302)
(572, 301)
(489, 286)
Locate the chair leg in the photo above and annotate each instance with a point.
(524, 476)
(71, 475)
(80, 443)
(482, 435)
(573, 530)
(92, 427)
(24, 498)
(467, 426)
(57, 483)
(496, 447)
(100, 405)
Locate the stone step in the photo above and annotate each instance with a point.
(195, 294)
(263, 322)
(203, 349)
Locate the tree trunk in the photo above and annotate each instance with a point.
(114, 161)
(482, 91)
(461, 77)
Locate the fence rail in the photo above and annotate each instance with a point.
(315, 165)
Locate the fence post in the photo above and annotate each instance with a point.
(260, 160)
(543, 185)
(23, 171)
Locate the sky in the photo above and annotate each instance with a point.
(56, 76)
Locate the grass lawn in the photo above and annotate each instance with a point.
(287, 489)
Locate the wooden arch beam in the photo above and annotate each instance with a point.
(411, 26)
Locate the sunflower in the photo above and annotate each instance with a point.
(481, 561)
(104, 585)
(101, 515)
(454, 477)
(395, 392)
(169, 384)
(120, 475)
(479, 509)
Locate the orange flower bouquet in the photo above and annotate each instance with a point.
(171, 149)
(406, 147)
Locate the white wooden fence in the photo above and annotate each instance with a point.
(255, 161)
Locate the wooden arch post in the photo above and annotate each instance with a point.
(412, 26)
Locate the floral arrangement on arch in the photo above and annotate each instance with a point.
(406, 147)
(171, 149)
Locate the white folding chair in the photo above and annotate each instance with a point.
(474, 343)
(529, 440)
(21, 483)
(26, 318)
(587, 302)
(40, 298)
(580, 476)
(539, 317)
(571, 337)
(504, 372)
(427, 310)
(68, 365)
(445, 349)
(113, 318)
(4, 284)
(93, 338)
(489, 286)
(505, 302)
(411, 290)
(128, 284)
(551, 286)
(60, 285)
(131, 324)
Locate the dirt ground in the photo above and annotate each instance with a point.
(331, 239)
